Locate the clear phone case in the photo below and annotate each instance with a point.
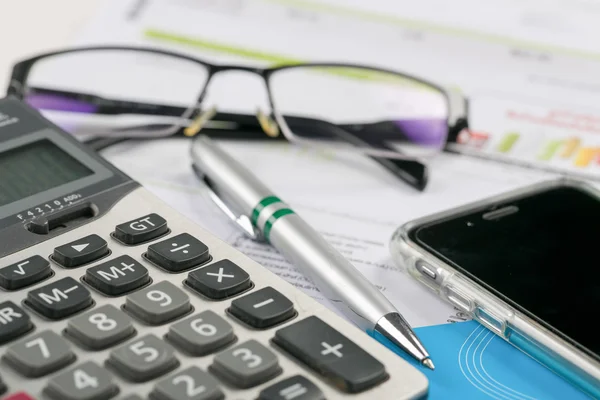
(515, 327)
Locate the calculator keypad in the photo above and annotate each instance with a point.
(25, 273)
(159, 303)
(80, 251)
(263, 308)
(246, 364)
(60, 298)
(178, 253)
(219, 280)
(39, 354)
(87, 381)
(201, 334)
(101, 327)
(117, 276)
(141, 229)
(190, 384)
(143, 358)
(14, 322)
(139, 329)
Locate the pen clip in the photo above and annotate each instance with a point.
(240, 220)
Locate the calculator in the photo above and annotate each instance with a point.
(108, 293)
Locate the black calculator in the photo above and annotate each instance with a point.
(108, 293)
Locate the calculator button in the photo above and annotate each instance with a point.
(331, 354)
(263, 308)
(87, 381)
(190, 384)
(141, 229)
(81, 251)
(159, 303)
(101, 327)
(14, 322)
(247, 364)
(60, 298)
(219, 280)
(296, 387)
(143, 359)
(201, 334)
(39, 354)
(178, 253)
(25, 273)
(118, 276)
(19, 396)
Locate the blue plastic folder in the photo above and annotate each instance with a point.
(473, 363)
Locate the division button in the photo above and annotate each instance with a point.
(40, 354)
(25, 273)
(81, 251)
(60, 298)
(143, 359)
(190, 384)
(101, 327)
(118, 276)
(262, 309)
(141, 229)
(178, 253)
(245, 365)
(296, 387)
(87, 381)
(201, 334)
(331, 355)
(14, 322)
(219, 280)
(159, 303)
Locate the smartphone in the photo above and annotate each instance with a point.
(526, 265)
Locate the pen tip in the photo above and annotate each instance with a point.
(428, 363)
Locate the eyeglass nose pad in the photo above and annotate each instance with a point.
(198, 122)
(268, 125)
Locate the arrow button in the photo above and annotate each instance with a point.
(81, 251)
(79, 247)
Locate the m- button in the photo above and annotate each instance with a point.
(141, 229)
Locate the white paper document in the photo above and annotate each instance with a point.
(354, 203)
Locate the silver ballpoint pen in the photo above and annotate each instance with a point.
(263, 216)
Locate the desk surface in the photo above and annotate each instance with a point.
(32, 26)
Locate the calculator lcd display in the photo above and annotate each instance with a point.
(34, 168)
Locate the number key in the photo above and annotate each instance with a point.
(245, 365)
(101, 327)
(87, 381)
(202, 333)
(39, 354)
(190, 384)
(159, 303)
(143, 359)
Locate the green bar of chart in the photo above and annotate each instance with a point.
(549, 150)
(507, 142)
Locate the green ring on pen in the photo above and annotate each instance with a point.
(272, 219)
(267, 201)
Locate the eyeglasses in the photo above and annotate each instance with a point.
(109, 94)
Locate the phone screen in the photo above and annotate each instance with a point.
(541, 254)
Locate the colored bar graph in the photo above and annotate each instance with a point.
(507, 142)
(571, 146)
(549, 150)
(585, 156)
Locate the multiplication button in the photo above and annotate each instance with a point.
(219, 280)
(141, 229)
(118, 276)
(178, 253)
